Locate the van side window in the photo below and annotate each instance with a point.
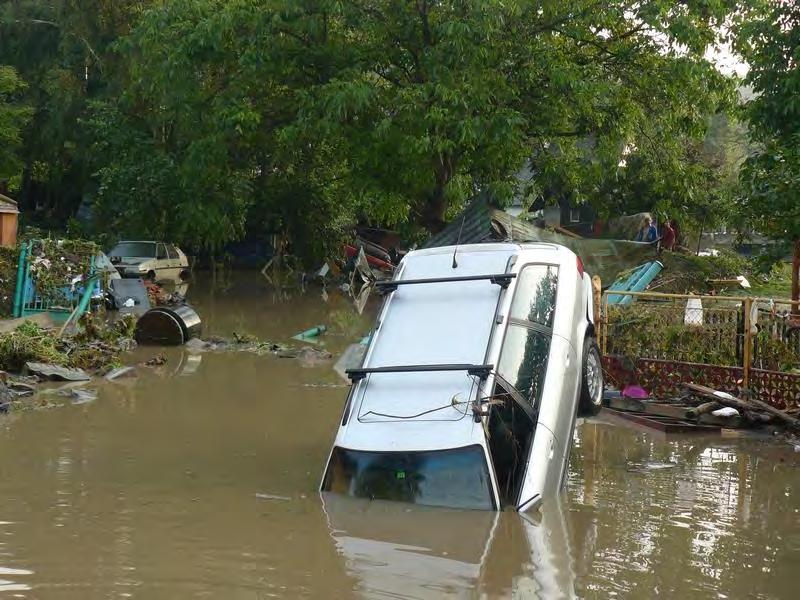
(523, 358)
(161, 252)
(171, 252)
(535, 298)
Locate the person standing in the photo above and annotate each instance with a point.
(667, 236)
(647, 233)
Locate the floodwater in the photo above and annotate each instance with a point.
(198, 479)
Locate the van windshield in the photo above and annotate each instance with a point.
(456, 478)
(134, 250)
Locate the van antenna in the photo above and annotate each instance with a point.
(458, 241)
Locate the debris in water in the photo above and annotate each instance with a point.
(261, 496)
(725, 411)
(310, 335)
(79, 395)
(57, 373)
(650, 466)
(306, 355)
(157, 361)
(120, 372)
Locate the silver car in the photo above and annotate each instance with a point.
(467, 397)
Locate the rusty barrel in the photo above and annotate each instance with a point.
(168, 326)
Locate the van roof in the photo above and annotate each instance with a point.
(431, 324)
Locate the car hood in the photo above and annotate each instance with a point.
(131, 260)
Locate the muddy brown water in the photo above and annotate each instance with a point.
(198, 480)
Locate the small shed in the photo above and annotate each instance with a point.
(9, 216)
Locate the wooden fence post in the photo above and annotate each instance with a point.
(748, 340)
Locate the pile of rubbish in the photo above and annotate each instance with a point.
(96, 347)
(687, 273)
(58, 266)
(701, 409)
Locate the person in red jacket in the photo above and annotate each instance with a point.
(668, 235)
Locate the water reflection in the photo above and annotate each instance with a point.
(686, 516)
(396, 550)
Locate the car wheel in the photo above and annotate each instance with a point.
(151, 276)
(591, 399)
(185, 275)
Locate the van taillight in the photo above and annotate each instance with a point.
(580, 266)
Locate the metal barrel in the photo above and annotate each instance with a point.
(168, 326)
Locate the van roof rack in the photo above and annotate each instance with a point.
(501, 279)
(481, 371)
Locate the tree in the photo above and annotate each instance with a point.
(768, 37)
(13, 116)
(199, 133)
(61, 49)
(443, 98)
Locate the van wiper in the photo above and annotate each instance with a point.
(481, 371)
(501, 279)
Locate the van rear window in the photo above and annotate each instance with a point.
(457, 478)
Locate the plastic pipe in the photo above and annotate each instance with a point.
(18, 290)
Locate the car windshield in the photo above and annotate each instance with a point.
(134, 249)
(456, 478)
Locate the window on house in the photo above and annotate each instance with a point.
(574, 215)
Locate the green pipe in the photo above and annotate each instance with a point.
(82, 305)
(19, 289)
(311, 333)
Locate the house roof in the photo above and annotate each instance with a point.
(7, 205)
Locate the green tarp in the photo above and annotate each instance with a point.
(482, 222)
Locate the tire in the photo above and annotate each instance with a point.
(151, 276)
(591, 396)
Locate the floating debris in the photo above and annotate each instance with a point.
(119, 372)
(157, 361)
(79, 395)
(261, 496)
(57, 373)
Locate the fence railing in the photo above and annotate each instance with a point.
(721, 341)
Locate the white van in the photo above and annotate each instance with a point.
(469, 389)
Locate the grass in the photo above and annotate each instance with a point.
(778, 284)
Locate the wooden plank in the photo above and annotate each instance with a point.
(742, 405)
(664, 424)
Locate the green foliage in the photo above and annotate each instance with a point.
(657, 330)
(9, 258)
(768, 36)
(775, 354)
(202, 121)
(29, 342)
(687, 273)
(771, 190)
(13, 117)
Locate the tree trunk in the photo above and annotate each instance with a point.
(433, 212)
(796, 278)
